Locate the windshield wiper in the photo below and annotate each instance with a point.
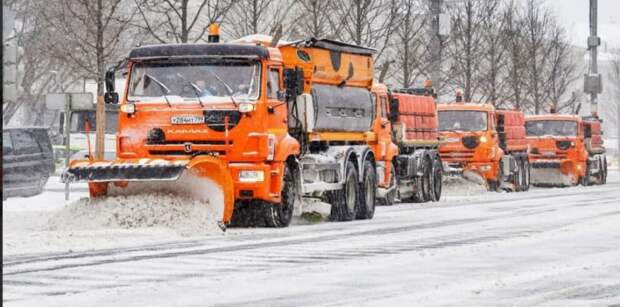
(196, 88)
(164, 89)
(231, 93)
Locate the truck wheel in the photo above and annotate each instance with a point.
(604, 170)
(517, 176)
(585, 179)
(496, 185)
(280, 215)
(436, 179)
(390, 197)
(426, 179)
(368, 192)
(526, 175)
(344, 201)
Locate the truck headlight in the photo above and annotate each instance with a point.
(251, 176)
(245, 107)
(483, 139)
(128, 108)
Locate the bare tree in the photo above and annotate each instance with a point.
(313, 19)
(259, 17)
(516, 61)
(87, 36)
(411, 51)
(537, 23)
(366, 23)
(40, 73)
(465, 47)
(493, 24)
(562, 72)
(180, 21)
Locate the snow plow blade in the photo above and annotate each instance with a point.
(111, 171)
(203, 178)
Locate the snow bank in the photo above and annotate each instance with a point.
(186, 216)
(459, 186)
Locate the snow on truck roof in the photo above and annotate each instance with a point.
(197, 50)
(553, 117)
(466, 107)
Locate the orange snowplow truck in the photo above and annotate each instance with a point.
(251, 128)
(485, 145)
(418, 167)
(566, 150)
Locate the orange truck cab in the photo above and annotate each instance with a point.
(485, 145)
(267, 126)
(566, 150)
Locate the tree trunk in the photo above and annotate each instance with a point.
(100, 115)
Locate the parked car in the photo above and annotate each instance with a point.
(27, 161)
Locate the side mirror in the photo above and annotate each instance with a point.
(393, 116)
(293, 82)
(110, 96)
(587, 131)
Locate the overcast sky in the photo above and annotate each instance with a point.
(574, 15)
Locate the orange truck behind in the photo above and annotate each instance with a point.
(566, 150)
(485, 145)
(418, 167)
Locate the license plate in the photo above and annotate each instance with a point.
(548, 153)
(187, 120)
(453, 140)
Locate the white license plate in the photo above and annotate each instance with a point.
(187, 120)
(548, 153)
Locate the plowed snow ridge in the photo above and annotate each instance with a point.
(186, 216)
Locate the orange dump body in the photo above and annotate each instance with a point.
(514, 129)
(417, 118)
(471, 151)
(565, 154)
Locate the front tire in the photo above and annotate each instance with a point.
(280, 215)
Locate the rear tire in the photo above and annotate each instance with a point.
(436, 179)
(368, 192)
(526, 175)
(344, 201)
(426, 179)
(280, 215)
(604, 170)
(517, 178)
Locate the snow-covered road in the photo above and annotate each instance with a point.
(555, 247)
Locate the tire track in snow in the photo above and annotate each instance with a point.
(316, 252)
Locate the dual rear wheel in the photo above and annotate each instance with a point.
(357, 199)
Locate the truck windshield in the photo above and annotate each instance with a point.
(183, 81)
(457, 120)
(551, 128)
